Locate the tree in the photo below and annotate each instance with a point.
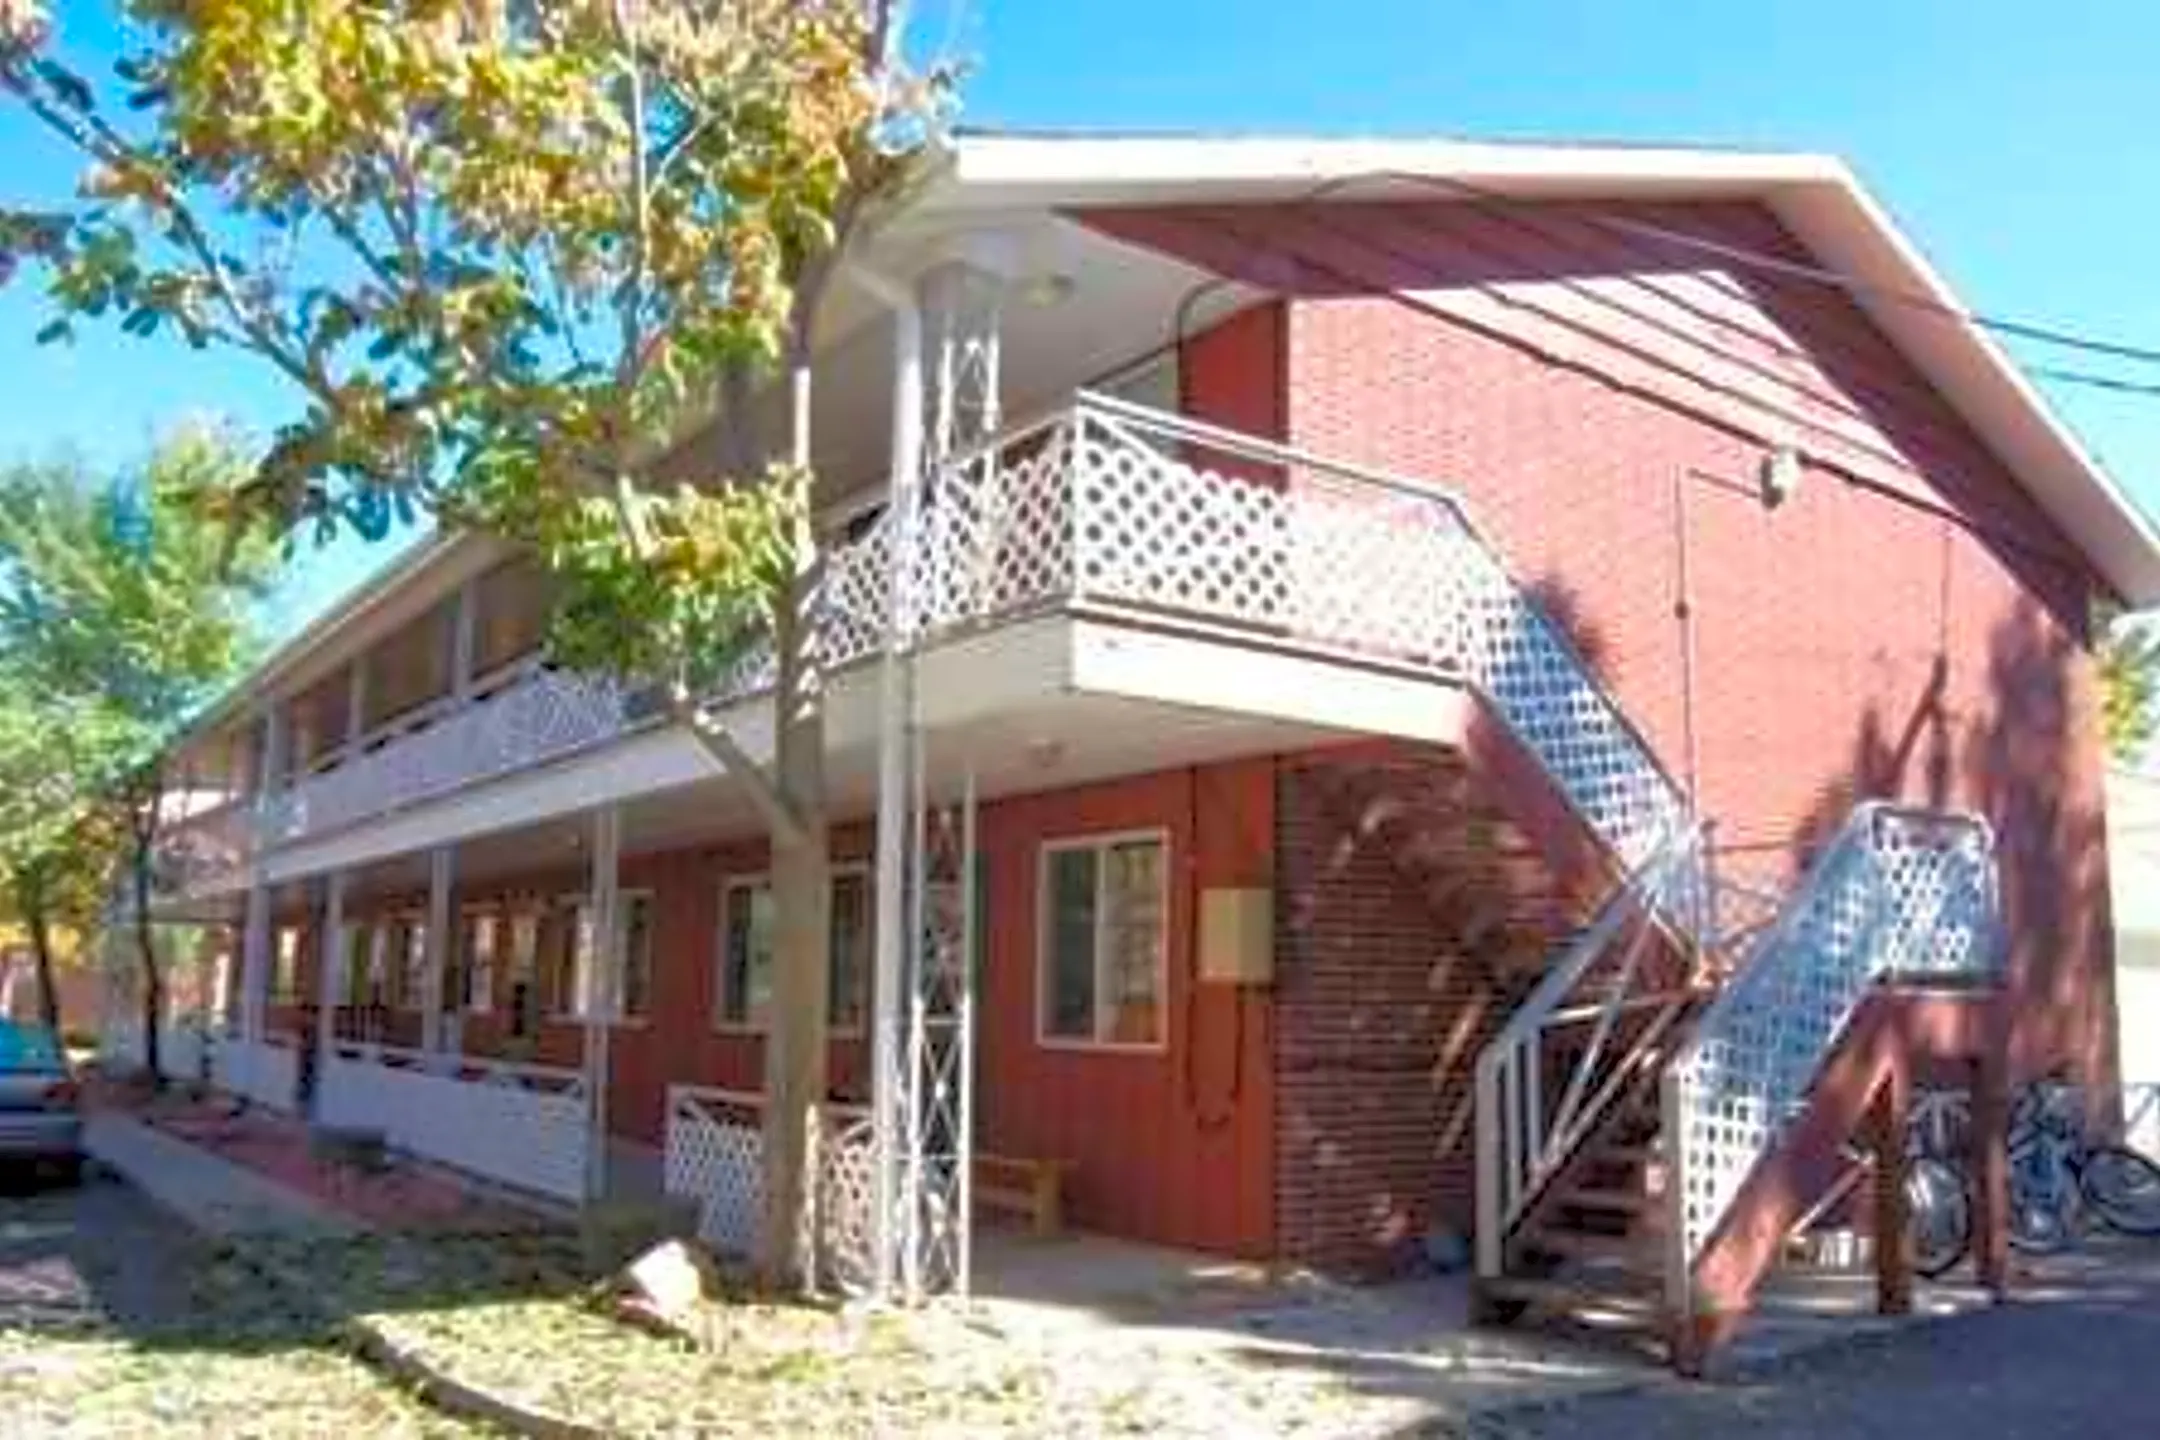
(506, 254)
(57, 847)
(123, 608)
(2129, 683)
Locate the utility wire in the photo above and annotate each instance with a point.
(2027, 330)
(1802, 270)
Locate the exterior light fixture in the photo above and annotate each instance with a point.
(1048, 291)
(1779, 475)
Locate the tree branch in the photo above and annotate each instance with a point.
(723, 747)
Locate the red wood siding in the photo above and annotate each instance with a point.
(1174, 1145)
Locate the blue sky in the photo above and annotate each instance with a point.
(2016, 143)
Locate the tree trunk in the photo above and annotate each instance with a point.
(41, 946)
(802, 897)
(153, 987)
(795, 1029)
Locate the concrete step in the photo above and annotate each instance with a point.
(1588, 1303)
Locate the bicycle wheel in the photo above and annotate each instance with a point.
(2123, 1187)
(1938, 1215)
(2042, 1204)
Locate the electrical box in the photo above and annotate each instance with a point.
(1237, 936)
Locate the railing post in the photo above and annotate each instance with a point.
(1489, 1156)
(330, 964)
(441, 865)
(606, 950)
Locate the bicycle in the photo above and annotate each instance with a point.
(2056, 1173)
(1938, 1202)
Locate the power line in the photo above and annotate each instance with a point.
(1799, 269)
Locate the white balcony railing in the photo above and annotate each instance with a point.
(1120, 510)
(544, 716)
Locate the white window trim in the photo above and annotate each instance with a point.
(1094, 1044)
(762, 879)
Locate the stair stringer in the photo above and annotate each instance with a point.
(1892, 1035)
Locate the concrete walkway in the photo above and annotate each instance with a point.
(210, 1193)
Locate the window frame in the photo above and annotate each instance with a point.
(1099, 842)
(624, 1018)
(753, 1024)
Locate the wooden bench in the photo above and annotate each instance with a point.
(1031, 1189)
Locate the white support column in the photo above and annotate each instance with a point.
(330, 983)
(604, 916)
(442, 862)
(355, 703)
(895, 683)
(255, 932)
(464, 641)
(255, 963)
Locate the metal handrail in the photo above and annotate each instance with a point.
(1519, 1145)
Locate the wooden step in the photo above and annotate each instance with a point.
(1587, 1303)
(1620, 1202)
(1628, 1154)
(1635, 1249)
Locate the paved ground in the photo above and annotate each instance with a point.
(115, 1320)
(2078, 1359)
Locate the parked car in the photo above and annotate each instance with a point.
(40, 1119)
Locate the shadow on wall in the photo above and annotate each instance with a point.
(2019, 749)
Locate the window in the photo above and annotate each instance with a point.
(563, 969)
(357, 958)
(566, 958)
(285, 967)
(746, 951)
(409, 955)
(1102, 941)
(746, 945)
(524, 973)
(853, 931)
(469, 980)
(637, 953)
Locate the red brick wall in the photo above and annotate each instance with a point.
(1402, 945)
(1908, 624)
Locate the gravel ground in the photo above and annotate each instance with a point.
(2081, 1360)
(115, 1321)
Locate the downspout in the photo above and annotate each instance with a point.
(892, 775)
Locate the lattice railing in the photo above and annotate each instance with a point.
(1119, 507)
(714, 1155)
(545, 716)
(1115, 505)
(1900, 894)
(520, 1124)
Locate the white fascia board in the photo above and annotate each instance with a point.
(991, 170)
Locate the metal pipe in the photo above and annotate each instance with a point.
(964, 1135)
(894, 683)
